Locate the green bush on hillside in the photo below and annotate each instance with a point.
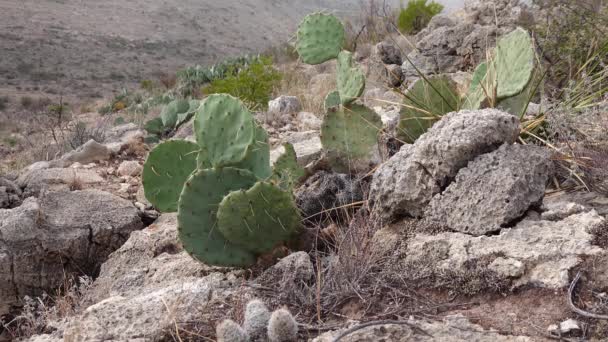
(417, 15)
(253, 84)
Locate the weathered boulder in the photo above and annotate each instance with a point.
(281, 107)
(538, 253)
(58, 235)
(148, 285)
(307, 145)
(56, 179)
(388, 53)
(90, 152)
(407, 182)
(324, 191)
(308, 121)
(10, 194)
(152, 257)
(494, 190)
(130, 168)
(394, 75)
(456, 328)
(118, 138)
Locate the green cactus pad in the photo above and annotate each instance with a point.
(332, 100)
(225, 128)
(350, 134)
(183, 117)
(514, 63)
(154, 126)
(258, 219)
(287, 172)
(351, 80)
(165, 172)
(425, 103)
(319, 38)
(170, 112)
(258, 155)
(197, 216)
(202, 159)
(481, 83)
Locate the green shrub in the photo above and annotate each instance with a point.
(253, 84)
(417, 15)
(147, 85)
(191, 79)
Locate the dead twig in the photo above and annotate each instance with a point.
(573, 306)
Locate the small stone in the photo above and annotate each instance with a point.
(566, 327)
(129, 168)
(76, 166)
(124, 188)
(308, 121)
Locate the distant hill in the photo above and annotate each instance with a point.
(67, 46)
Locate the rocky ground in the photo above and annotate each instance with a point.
(462, 236)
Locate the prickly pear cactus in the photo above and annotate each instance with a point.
(481, 84)
(197, 216)
(319, 38)
(286, 170)
(225, 128)
(165, 172)
(332, 101)
(257, 159)
(425, 103)
(350, 136)
(514, 63)
(170, 112)
(351, 80)
(258, 219)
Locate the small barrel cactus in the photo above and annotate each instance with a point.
(260, 326)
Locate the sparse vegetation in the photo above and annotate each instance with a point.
(253, 83)
(417, 14)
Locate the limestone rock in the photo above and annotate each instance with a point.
(129, 168)
(308, 121)
(454, 328)
(388, 53)
(538, 253)
(406, 183)
(394, 75)
(90, 152)
(56, 179)
(62, 233)
(10, 194)
(494, 190)
(282, 106)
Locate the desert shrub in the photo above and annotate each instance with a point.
(417, 15)
(253, 84)
(80, 134)
(4, 100)
(572, 39)
(168, 80)
(190, 80)
(147, 85)
(375, 21)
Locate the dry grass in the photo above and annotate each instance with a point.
(38, 312)
(298, 80)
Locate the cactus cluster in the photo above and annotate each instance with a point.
(259, 325)
(230, 207)
(173, 115)
(504, 82)
(350, 132)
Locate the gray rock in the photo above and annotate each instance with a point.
(307, 145)
(10, 194)
(537, 253)
(394, 75)
(56, 179)
(494, 190)
(308, 121)
(58, 235)
(388, 53)
(90, 152)
(454, 328)
(281, 107)
(130, 168)
(325, 190)
(406, 183)
(151, 258)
